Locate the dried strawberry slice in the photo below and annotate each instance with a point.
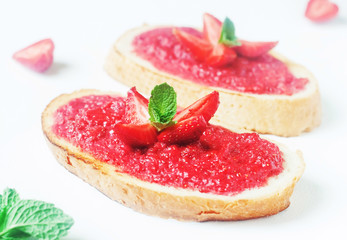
(321, 10)
(38, 56)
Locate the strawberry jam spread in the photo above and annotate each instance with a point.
(262, 75)
(220, 162)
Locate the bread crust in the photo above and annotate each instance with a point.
(269, 114)
(166, 202)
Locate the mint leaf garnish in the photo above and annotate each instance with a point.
(227, 36)
(10, 197)
(31, 219)
(162, 106)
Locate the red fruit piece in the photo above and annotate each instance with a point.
(212, 28)
(254, 49)
(38, 56)
(199, 47)
(136, 129)
(206, 107)
(202, 50)
(136, 109)
(221, 56)
(137, 135)
(321, 10)
(185, 131)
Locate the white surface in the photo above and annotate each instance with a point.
(84, 32)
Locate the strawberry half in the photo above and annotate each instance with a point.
(221, 56)
(212, 29)
(38, 56)
(199, 47)
(206, 107)
(185, 131)
(321, 10)
(204, 51)
(254, 49)
(137, 135)
(136, 109)
(136, 131)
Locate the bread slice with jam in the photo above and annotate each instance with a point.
(191, 170)
(260, 91)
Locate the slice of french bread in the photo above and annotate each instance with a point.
(170, 202)
(270, 114)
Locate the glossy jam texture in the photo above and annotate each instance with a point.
(263, 75)
(220, 162)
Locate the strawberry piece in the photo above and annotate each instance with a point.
(206, 107)
(136, 109)
(38, 56)
(214, 55)
(185, 131)
(212, 28)
(254, 49)
(221, 56)
(199, 47)
(136, 129)
(321, 10)
(137, 135)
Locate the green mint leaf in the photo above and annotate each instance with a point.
(16, 234)
(31, 219)
(162, 106)
(2, 218)
(227, 36)
(9, 197)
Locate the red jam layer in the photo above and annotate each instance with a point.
(221, 162)
(263, 75)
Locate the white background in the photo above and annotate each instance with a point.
(83, 33)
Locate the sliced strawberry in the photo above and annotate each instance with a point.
(137, 135)
(214, 55)
(221, 56)
(185, 131)
(205, 107)
(254, 49)
(136, 109)
(212, 28)
(199, 47)
(136, 129)
(38, 56)
(321, 10)
(138, 96)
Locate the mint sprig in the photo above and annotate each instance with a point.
(162, 106)
(228, 36)
(31, 219)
